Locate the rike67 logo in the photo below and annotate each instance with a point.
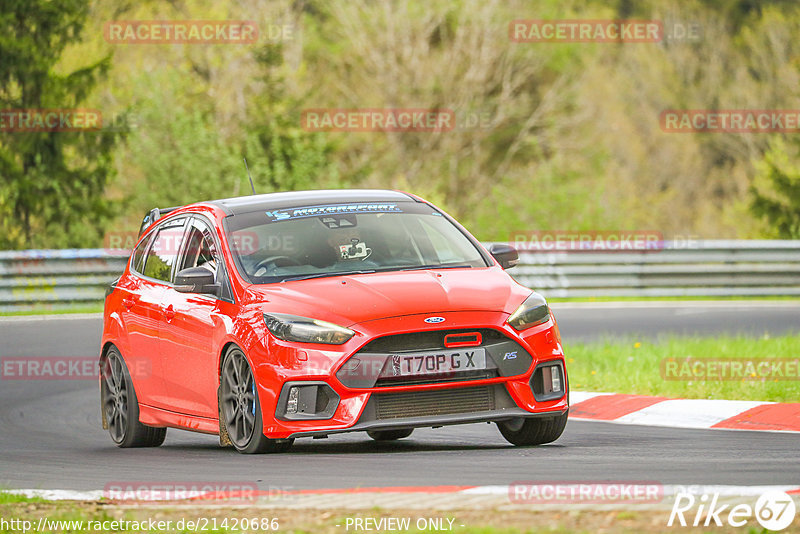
(774, 510)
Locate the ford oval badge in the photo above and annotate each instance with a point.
(434, 320)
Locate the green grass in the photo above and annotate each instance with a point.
(636, 367)
(98, 308)
(79, 514)
(324, 521)
(12, 498)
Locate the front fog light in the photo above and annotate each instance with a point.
(291, 402)
(548, 382)
(306, 400)
(551, 379)
(555, 378)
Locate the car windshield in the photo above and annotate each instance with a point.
(328, 240)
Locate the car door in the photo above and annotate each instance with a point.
(155, 278)
(192, 333)
(140, 314)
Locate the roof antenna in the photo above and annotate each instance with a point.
(248, 175)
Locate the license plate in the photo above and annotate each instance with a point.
(434, 363)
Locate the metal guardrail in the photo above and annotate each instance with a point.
(58, 279)
(702, 268)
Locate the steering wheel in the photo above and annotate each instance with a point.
(270, 263)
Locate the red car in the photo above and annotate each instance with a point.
(272, 317)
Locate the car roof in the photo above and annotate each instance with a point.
(291, 199)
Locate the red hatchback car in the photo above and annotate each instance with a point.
(272, 317)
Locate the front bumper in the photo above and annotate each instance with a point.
(371, 419)
(495, 396)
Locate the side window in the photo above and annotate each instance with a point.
(161, 256)
(138, 253)
(201, 251)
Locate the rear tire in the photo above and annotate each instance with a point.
(241, 420)
(389, 435)
(533, 431)
(121, 407)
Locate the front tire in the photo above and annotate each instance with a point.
(533, 431)
(240, 410)
(389, 435)
(121, 407)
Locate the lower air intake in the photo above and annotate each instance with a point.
(428, 403)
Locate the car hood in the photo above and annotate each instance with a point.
(352, 299)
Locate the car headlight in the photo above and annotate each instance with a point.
(305, 330)
(530, 313)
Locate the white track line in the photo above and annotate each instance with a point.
(342, 499)
(669, 489)
(688, 413)
(576, 397)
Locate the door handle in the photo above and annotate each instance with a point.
(128, 303)
(169, 312)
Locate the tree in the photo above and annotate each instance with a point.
(52, 181)
(214, 106)
(776, 190)
(287, 157)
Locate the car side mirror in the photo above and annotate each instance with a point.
(196, 280)
(506, 255)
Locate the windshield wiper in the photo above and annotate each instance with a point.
(340, 273)
(324, 275)
(424, 267)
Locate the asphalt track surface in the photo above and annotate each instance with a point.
(50, 435)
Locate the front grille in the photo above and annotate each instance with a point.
(373, 359)
(429, 403)
(390, 381)
(430, 340)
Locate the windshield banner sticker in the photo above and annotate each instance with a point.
(313, 211)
